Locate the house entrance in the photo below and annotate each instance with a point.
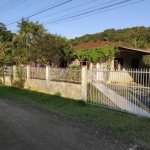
(118, 63)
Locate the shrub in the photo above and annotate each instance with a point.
(19, 83)
(1, 82)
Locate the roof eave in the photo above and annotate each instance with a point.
(134, 49)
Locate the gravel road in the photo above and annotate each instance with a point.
(25, 127)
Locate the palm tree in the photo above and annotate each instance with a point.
(30, 32)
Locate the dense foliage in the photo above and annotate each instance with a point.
(31, 44)
(53, 50)
(136, 37)
(94, 55)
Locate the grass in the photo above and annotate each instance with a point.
(125, 125)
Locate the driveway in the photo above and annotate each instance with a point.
(25, 127)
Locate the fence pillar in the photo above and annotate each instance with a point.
(84, 83)
(28, 72)
(14, 72)
(28, 76)
(47, 73)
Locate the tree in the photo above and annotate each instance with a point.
(5, 40)
(29, 32)
(15, 53)
(52, 49)
(124, 36)
(146, 60)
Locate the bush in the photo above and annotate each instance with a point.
(1, 83)
(19, 83)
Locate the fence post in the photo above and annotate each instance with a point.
(84, 83)
(28, 75)
(14, 72)
(47, 73)
(28, 72)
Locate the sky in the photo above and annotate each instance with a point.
(75, 18)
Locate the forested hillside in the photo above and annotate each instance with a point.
(137, 37)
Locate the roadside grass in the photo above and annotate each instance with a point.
(125, 125)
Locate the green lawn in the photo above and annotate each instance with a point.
(125, 125)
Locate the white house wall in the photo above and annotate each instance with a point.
(127, 58)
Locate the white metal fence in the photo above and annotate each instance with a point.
(124, 90)
(55, 74)
(7, 71)
(65, 75)
(37, 73)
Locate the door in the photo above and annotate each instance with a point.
(118, 63)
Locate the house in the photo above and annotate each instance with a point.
(128, 57)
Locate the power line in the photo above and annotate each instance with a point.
(9, 4)
(5, 4)
(42, 11)
(96, 13)
(38, 10)
(84, 13)
(11, 7)
(49, 8)
(67, 9)
(83, 10)
(72, 8)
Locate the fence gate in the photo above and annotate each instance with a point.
(124, 90)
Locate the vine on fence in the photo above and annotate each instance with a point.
(19, 83)
(2, 72)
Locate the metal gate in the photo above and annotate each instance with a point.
(123, 90)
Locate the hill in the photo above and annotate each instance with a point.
(138, 37)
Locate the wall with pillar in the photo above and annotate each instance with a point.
(69, 90)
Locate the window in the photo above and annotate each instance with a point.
(135, 63)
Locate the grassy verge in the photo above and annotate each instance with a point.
(128, 126)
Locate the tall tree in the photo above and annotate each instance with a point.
(53, 50)
(29, 32)
(5, 40)
(15, 53)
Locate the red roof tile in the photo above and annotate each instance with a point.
(91, 45)
(103, 43)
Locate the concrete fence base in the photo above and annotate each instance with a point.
(68, 90)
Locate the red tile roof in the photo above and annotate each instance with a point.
(90, 45)
(103, 43)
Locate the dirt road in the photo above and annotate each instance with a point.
(24, 127)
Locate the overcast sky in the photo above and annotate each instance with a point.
(74, 18)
